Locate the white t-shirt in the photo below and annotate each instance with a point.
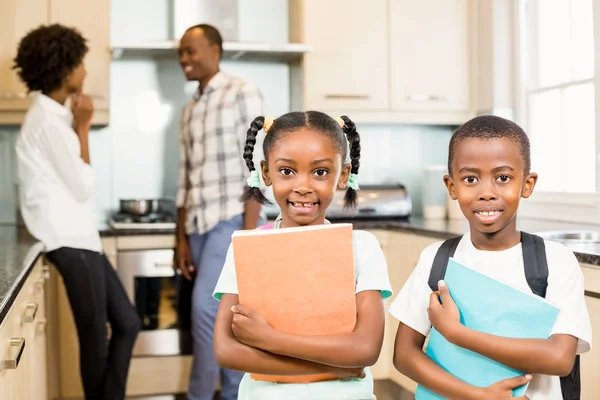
(370, 271)
(565, 290)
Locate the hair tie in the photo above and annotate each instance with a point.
(340, 121)
(267, 124)
(353, 182)
(254, 179)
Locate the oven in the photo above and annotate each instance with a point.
(153, 288)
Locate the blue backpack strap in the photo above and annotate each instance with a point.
(440, 262)
(536, 273)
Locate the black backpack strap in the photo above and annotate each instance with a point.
(536, 273)
(536, 264)
(440, 262)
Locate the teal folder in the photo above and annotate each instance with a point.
(490, 306)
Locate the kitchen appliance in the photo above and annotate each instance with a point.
(152, 287)
(225, 15)
(147, 214)
(374, 202)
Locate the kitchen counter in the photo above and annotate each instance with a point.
(587, 253)
(107, 231)
(19, 251)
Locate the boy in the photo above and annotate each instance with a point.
(57, 204)
(488, 173)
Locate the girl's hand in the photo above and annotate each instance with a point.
(503, 390)
(344, 373)
(444, 316)
(250, 328)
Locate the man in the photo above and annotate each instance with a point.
(212, 179)
(57, 204)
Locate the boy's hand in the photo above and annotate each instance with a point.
(503, 390)
(249, 327)
(444, 316)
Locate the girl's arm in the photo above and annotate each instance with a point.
(232, 354)
(410, 360)
(553, 356)
(355, 349)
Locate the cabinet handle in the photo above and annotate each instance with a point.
(428, 97)
(41, 325)
(39, 285)
(29, 317)
(348, 96)
(166, 264)
(46, 272)
(19, 344)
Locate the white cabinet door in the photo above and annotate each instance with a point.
(429, 45)
(348, 68)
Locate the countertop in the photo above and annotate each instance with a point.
(19, 251)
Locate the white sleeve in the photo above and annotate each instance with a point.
(371, 264)
(410, 305)
(566, 291)
(77, 176)
(227, 283)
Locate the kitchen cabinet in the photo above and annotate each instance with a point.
(23, 343)
(16, 19)
(590, 361)
(348, 68)
(429, 55)
(386, 61)
(91, 17)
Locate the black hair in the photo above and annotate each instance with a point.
(47, 55)
(491, 127)
(212, 34)
(343, 138)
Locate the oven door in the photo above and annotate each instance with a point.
(150, 283)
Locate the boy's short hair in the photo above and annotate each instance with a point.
(491, 127)
(47, 55)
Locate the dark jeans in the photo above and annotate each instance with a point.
(97, 297)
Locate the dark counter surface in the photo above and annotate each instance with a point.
(18, 253)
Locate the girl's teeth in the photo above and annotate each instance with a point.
(303, 204)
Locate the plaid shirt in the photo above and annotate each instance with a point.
(212, 172)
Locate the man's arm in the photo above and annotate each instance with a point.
(183, 257)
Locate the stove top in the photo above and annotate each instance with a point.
(150, 221)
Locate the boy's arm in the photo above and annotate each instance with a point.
(232, 354)
(410, 360)
(553, 356)
(355, 349)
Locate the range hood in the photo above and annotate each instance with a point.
(224, 15)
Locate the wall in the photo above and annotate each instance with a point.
(137, 155)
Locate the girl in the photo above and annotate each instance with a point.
(305, 162)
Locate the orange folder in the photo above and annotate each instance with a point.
(300, 279)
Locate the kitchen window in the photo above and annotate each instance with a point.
(558, 86)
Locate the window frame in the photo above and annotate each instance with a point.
(561, 206)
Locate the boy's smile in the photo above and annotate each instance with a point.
(304, 168)
(488, 179)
